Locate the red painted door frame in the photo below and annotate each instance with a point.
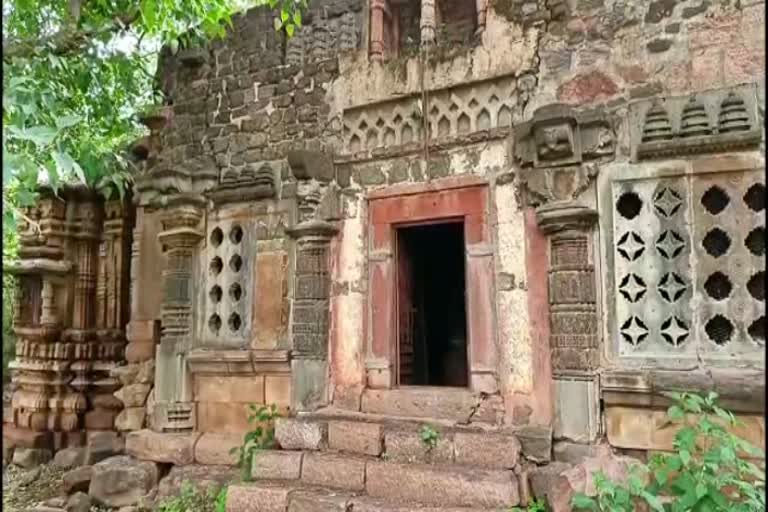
(459, 198)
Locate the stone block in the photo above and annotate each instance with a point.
(122, 481)
(572, 453)
(130, 419)
(536, 443)
(441, 486)
(102, 445)
(335, 471)
(133, 395)
(500, 451)
(204, 477)
(454, 404)
(257, 498)
(214, 448)
(576, 410)
(28, 458)
(226, 417)
(231, 388)
(310, 384)
(276, 465)
(355, 437)
(542, 478)
(318, 501)
(277, 390)
(161, 447)
(69, 458)
(294, 434)
(78, 502)
(77, 480)
(405, 446)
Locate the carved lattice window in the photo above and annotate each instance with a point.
(227, 278)
(687, 255)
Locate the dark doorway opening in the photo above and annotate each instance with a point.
(431, 306)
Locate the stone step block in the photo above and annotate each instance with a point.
(319, 501)
(450, 486)
(296, 434)
(355, 437)
(495, 451)
(368, 504)
(258, 497)
(334, 471)
(276, 465)
(407, 446)
(215, 448)
(163, 447)
(460, 405)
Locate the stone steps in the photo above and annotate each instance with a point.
(281, 496)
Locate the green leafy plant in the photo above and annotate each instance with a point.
(429, 436)
(192, 499)
(535, 505)
(262, 437)
(707, 472)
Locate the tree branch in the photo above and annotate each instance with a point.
(68, 40)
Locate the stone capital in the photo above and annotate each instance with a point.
(314, 229)
(307, 165)
(564, 215)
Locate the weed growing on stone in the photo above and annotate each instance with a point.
(535, 505)
(192, 499)
(429, 436)
(262, 437)
(706, 472)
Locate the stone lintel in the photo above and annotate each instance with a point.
(231, 362)
(741, 390)
(564, 215)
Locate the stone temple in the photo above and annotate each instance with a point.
(519, 221)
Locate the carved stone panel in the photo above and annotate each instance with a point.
(687, 259)
(717, 120)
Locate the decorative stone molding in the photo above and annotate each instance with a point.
(712, 121)
(452, 112)
(238, 362)
(162, 181)
(246, 184)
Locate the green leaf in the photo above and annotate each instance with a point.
(289, 30)
(297, 18)
(67, 121)
(581, 501)
(284, 15)
(277, 24)
(39, 135)
(675, 413)
(685, 457)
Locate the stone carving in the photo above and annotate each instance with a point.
(452, 112)
(248, 183)
(674, 239)
(558, 135)
(558, 151)
(574, 323)
(163, 181)
(720, 120)
(70, 316)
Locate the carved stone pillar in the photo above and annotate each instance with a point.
(181, 236)
(428, 22)
(560, 150)
(481, 6)
(317, 208)
(378, 13)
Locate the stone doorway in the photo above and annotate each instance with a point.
(431, 305)
(463, 200)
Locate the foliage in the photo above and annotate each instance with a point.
(707, 471)
(75, 73)
(535, 505)
(191, 499)
(429, 436)
(262, 437)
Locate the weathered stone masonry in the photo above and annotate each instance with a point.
(605, 158)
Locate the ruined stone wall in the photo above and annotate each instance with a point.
(544, 238)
